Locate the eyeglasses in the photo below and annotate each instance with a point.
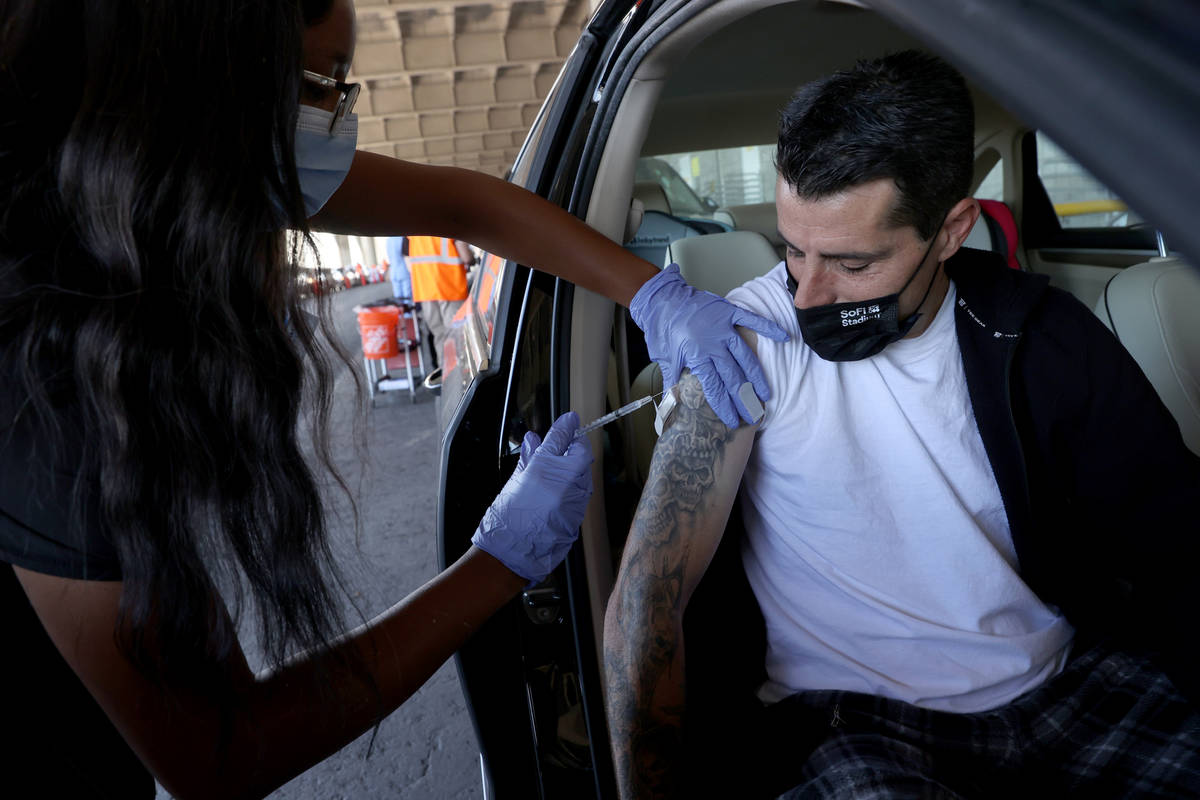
(347, 94)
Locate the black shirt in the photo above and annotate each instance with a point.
(59, 743)
(1100, 489)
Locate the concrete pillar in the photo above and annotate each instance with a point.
(370, 257)
(343, 246)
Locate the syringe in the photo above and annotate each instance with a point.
(628, 408)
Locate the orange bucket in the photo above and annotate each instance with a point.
(377, 328)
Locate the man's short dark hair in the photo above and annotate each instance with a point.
(906, 116)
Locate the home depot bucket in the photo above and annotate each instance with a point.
(377, 327)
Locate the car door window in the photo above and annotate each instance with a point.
(1079, 199)
(528, 406)
(699, 182)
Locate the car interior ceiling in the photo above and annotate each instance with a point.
(719, 80)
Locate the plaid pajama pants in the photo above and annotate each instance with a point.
(1110, 725)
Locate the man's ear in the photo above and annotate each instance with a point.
(959, 221)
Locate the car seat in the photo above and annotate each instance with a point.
(723, 625)
(996, 230)
(655, 227)
(716, 263)
(757, 217)
(652, 196)
(1151, 308)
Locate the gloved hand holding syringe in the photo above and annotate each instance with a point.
(745, 393)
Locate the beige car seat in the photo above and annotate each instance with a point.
(717, 263)
(1151, 307)
(757, 217)
(652, 196)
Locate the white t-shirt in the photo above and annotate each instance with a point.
(876, 539)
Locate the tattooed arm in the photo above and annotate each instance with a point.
(694, 476)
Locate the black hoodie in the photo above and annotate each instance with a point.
(1102, 494)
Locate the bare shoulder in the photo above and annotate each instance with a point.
(694, 417)
(698, 460)
(67, 607)
(691, 406)
(750, 336)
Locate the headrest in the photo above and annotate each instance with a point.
(1003, 226)
(721, 262)
(652, 196)
(1151, 307)
(757, 217)
(995, 231)
(637, 210)
(980, 237)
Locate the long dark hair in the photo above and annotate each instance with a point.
(148, 304)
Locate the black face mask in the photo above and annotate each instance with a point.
(858, 330)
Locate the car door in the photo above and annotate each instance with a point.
(504, 374)
(530, 675)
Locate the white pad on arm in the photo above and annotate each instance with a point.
(667, 405)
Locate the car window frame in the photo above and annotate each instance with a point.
(1040, 225)
(541, 168)
(1061, 54)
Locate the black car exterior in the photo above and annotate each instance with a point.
(1074, 67)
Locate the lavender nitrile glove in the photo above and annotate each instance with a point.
(535, 519)
(685, 327)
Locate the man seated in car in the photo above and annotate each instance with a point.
(969, 520)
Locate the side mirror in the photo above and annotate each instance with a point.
(710, 204)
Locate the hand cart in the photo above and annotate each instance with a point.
(391, 341)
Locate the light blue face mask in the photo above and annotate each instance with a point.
(322, 161)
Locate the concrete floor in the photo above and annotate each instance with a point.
(426, 749)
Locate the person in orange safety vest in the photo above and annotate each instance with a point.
(438, 268)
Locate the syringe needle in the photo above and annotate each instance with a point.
(624, 410)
